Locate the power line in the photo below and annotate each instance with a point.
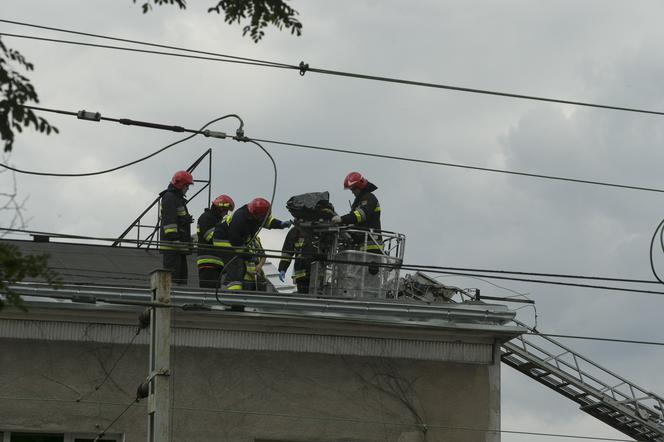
(93, 274)
(103, 432)
(306, 146)
(91, 299)
(186, 306)
(595, 338)
(419, 267)
(537, 281)
(117, 361)
(141, 51)
(548, 275)
(652, 243)
(441, 269)
(458, 165)
(125, 40)
(98, 117)
(136, 275)
(511, 272)
(329, 418)
(398, 424)
(303, 68)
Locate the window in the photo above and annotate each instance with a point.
(36, 437)
(92, 440)
(33, 436)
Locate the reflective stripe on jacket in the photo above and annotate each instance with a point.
(205, 232)
(236, 230)
(365, 210)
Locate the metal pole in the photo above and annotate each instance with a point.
(160, 334)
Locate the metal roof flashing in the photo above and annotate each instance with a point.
(102, 279)
(201, 309)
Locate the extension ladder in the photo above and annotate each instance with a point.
(601, 393)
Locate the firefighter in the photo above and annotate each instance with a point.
(176, 222)
(365, 210)
(299, 247)
(209, 265)
(234, 234)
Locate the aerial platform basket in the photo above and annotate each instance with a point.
(357, 263)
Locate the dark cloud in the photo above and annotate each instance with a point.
(593, 51)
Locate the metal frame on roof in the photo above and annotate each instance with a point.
(154, 228)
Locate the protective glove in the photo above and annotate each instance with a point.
(189, 219)
(286, 224)
(336, 219)
(282, 276)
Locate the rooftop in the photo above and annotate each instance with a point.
(113, 282)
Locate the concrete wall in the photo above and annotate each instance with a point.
(231, 395)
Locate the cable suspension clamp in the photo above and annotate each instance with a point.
(90, 116)
(304, 67)
(239, 134)
(214, 134)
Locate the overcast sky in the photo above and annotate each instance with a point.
(605, 51)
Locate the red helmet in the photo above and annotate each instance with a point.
(355, 180)
(258, 207)
(224, 202)
(182, 178)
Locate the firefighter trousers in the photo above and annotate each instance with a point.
(177, 264)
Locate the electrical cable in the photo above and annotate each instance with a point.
(595, 338)
(329, 149)
(437, 269)
(548, 275)
(143, 51)
(535, 333)
(399, 424)
(184, 307)
(125, 40)
(117, 361)
(538, 281)
(136, 275)
(89, 299)
(516, 295)
(80, 275)
(652, 243)
(330, 418)
(113, 169)
(103, 432)
(458, 165)
(304, 68)
(445, 271)
(512, 272)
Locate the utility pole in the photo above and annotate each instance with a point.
(159, 396)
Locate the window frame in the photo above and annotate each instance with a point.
(5, 435)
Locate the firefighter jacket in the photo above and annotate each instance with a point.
(365, 210)
(175, 222)
(234, 233)
(299, 246)
(205, 232)
(365, 214)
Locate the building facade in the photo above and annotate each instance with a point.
(249, 367)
